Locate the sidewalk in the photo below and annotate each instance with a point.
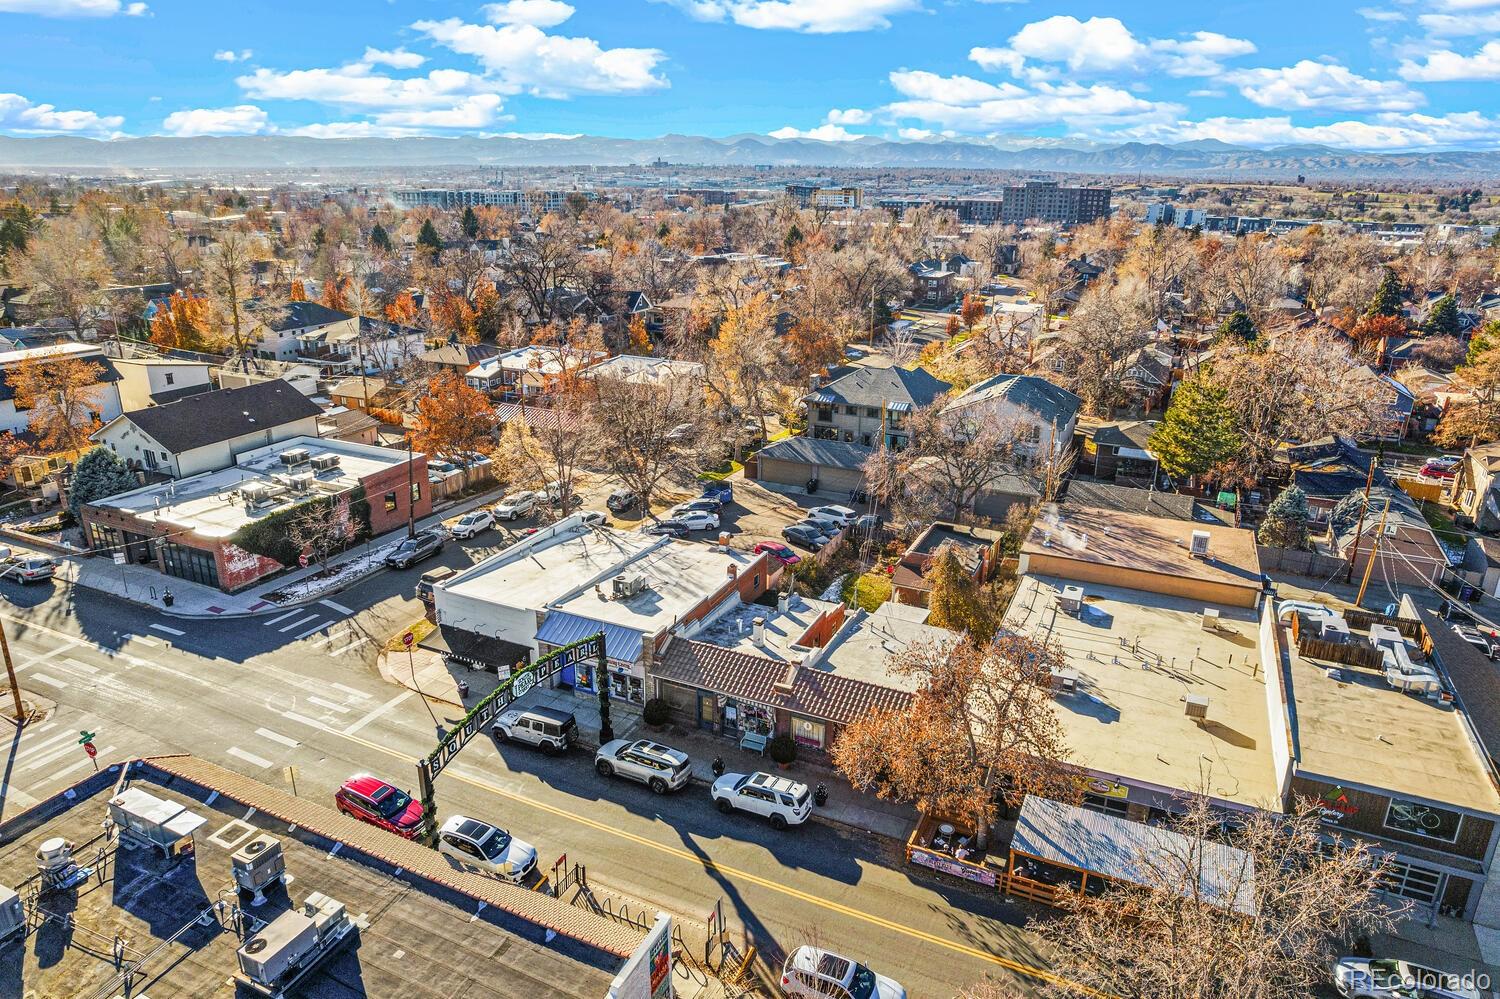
(437, 680)
(145, 586)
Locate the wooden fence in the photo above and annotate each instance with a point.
(1314, 564)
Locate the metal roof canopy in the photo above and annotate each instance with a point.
(1123, 850)
(562, 628)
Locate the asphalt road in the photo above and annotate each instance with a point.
(258, 695)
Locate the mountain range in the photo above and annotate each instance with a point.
(1202, 158)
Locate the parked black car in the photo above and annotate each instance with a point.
(673, 528)
(414, 549)
(805, 536)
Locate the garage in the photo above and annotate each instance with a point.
(838, 467)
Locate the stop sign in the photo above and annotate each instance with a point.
(88, 747)
(408, 639)
(302, 560)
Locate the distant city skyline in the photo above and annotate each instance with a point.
(1392, 76)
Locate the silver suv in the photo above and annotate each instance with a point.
(661, 768)
(782, 800)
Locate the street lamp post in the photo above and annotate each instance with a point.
(411, 506)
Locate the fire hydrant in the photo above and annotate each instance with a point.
(463, 688)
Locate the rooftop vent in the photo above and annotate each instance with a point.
(295, 456)
(1197, 706)
(325, 462)
(1199, 546)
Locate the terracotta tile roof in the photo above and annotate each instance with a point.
(534, 907)
(816, 693)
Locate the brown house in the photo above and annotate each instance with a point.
(974, 547)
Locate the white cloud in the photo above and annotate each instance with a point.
(1386, 132)
(823, 133)
(395, 58)
(926, 86)
(538, 13)
(230, 55)
(1310, 84)
(1445, 65)
(1381, 14)
(73, 8)
(1461, 25)
(915, 134)
(1104, 45)
(849, 116)
(521, 57)
(1010, 108)
(535, 136)
(814, 17)
(356, 86)
(351, 130)
(242, 119)
(478, 111)
(17, 114)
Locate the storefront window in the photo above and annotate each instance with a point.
(738, 717)
(624, 687)
(809, 733)
(584, 677)
(1423, 820)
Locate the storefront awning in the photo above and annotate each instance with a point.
(1121, 850)
(561, 628)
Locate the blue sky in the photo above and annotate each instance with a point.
(1379, 74)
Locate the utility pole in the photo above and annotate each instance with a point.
(1369, 478)
(411, 506)
(1374, 551)
(10, 673)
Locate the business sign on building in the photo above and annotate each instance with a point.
(648, 973)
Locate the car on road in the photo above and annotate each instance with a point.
(824, 522)
(697, 520)
(547, 729)
(681, 432)
(661, 768)
(1443, 467)
(1484, 641)
(593, 518)
(865, 523)
(621, 500)
(489, 848)
(515, 506)
(695, 506)
(414, 549)
(840, 515)
(26, 567)
(778, 551)
(822, 974)
(721, 492)
(670, 528)
(1384, 978)
(472, 523)
(805, 535)
(783, 801)
(429, 581)
(380, 803)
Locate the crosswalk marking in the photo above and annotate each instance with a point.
(283, 617)
(342, 709)
(81, 666)
(70, 768)
(298, 624)
(51, 681)
(338, 607)
(302, 719)
(352, 645)
(333, 634)
(50, 755)
(377, 712)
(311, 631)
(170, 631)
(358, 695)
(146, 640)
(266, 733)
(251, 758)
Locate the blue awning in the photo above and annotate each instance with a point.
(823, 397)
(899, 407)
(561, 628)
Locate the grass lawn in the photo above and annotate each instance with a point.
(871, 588)
(721, 473)
(1442, 525)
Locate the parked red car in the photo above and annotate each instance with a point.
(1441, 468)
(778, 551)
(372, 800)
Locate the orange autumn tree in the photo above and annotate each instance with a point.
(336, 293)
(951, 330)
(298, 292)
(62, 397)
(402, 310)
(184, 322)
(452, 316)
(452, 418)
(972, 312)
(640, 339)
(1372, 333)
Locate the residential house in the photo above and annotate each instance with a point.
(808, 464)
(188, 527)
(527, 373)
(869, 406)
(460, 358)
(153, 381)
(974, 547)
(1118, 451)
(1476, 488)
(1327, 470)
(932, 287)
(1408, 553)
(104, 404)
(204, 432)
(364, 393)
(646, 370)
(1047, 414)
(1149, 376)
(340, 423)
(296, 330)
(303, 376)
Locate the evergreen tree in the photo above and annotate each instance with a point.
(952, 602)
(1239, 326)
(470, 223)
(98, 474)
(793, 239)
(1388, 298)
(1483, 339)
(428, 239)
(663, 230)
(320, 236)
(1347, 510)
(1442, 317)
(1285, 525)
(1198, 431)
(380, 239)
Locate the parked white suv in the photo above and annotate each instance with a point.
(472, 523)
(659, 767)
(782, 800)
(822, 974)
(840, 515)
(515, 505)
(487, 847)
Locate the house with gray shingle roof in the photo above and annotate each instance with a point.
(866, 406)
(1050, 410)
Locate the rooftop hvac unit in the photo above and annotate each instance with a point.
(290, 946)
(325, 462)
(1199, 544)
(1334, 629)
(1210, 619)
(301, 482)
(295, 456)
(154, 821)
(1071, 599)
(618, 587)
(1197, 706)
(257, 865)
(12, 914)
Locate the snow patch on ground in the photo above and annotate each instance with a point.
(835, 591)
(339, 575)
